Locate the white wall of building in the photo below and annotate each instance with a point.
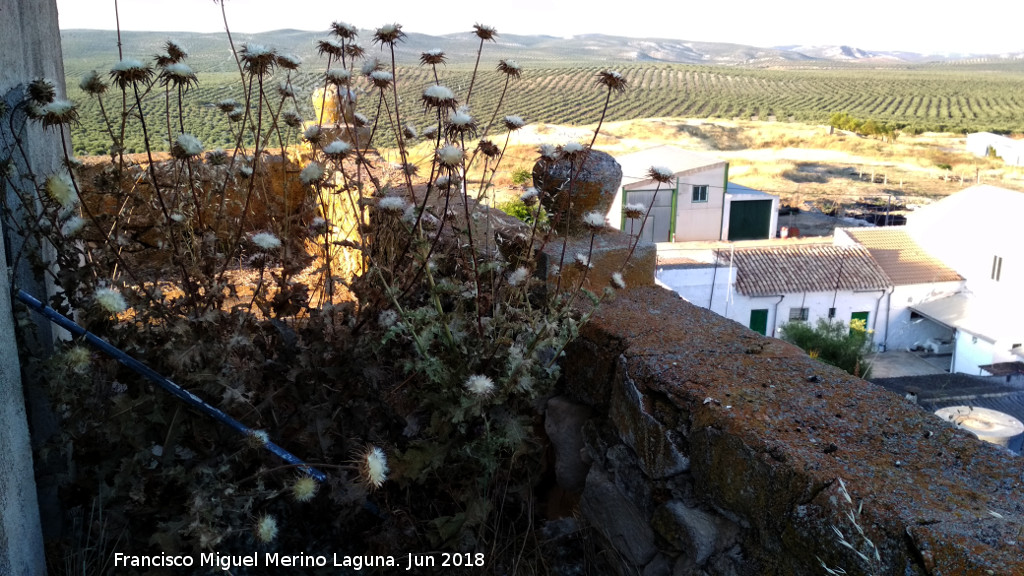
(971, 352)
(1010, 150)
(708, 287)
(903, 332)
(969, 230)
(695, 285)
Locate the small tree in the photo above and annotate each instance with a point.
(833, 343)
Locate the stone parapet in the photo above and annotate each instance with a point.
(733, 453)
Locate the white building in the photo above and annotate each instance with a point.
(765, 285)
(977, 232)
(1010, 150)
(915, 277)
(699, 203)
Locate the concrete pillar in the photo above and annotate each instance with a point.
(29, 49)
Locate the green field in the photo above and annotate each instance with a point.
(985, 95)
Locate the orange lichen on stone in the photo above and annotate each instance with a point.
(767, 432)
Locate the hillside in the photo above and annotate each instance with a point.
(666, 79)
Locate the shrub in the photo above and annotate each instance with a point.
(833, 343)
(522, 175)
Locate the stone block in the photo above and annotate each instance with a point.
(649, 438)
(617, 519)
(606, 255)
(563, 423)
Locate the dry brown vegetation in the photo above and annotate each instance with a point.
(799, 162)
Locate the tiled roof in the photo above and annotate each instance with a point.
(803, 268)
(902, 259)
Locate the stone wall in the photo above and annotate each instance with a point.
(696, 446)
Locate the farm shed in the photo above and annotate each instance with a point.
(691, 207)
(1011, 151)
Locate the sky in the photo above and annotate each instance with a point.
(908, 25)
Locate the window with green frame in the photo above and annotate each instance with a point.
(700, 193)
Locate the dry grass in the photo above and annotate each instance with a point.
(799, 162)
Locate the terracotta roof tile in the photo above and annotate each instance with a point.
(806, 268)
(902, 259)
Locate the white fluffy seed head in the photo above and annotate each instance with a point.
(438, 92)
(392, 204)
(518, 276)
(304, 488)
(337, 149)
(61, 189)
(265, 529)
(110, 300)
(661, 174)
(313, 134)
(572, 148)
(529, 197)
(634, 210)
(188, 145)
(72, 226)
(514, 122)
(266, 241)
(479, 385)
(311, 174)
(373, 467)
(618, 281)
(594, 220)
(387, 318)
(450, 155)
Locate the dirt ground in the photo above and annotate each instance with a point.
(808, 166)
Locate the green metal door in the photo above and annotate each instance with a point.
(759, 321)
(749, 219)
(860, 316)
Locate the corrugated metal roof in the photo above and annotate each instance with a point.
(903, 260)
(790, 269)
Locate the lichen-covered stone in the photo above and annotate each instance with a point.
(569, 190)
(658, 456)
(770, 431)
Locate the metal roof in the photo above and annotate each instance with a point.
(903, 260)
(735, 188)
(806, 268)
(989, 319)
(636, 165)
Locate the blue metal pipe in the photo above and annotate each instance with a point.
(175, 390)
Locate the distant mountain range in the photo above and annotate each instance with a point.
(82, 45)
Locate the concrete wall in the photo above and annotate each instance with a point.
(708, 449)
(707, 287)
(29, 49)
